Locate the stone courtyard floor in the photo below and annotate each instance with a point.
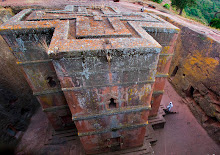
(182, 134)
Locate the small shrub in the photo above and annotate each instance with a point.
(215, 22)
(167, 6)
(158, 1)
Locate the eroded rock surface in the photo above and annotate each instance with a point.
(17, 104)
(195, 73)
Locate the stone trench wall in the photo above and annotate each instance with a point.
(17, 104)
(195, 74)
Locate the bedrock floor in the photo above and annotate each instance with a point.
(182, 134)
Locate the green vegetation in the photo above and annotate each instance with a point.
(158, 1)
(215, 22)
(167, 6)
(182, 4)
(204, 10)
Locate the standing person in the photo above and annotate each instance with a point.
(170, 106)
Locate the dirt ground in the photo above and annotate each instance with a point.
(182, 134)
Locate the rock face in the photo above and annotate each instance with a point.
(195, 74)
(17, 104)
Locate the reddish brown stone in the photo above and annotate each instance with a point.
(102, 60)
(162, 68)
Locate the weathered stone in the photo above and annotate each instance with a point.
(17, 104)
(217, 115)
(202, 89)
(195, 73)
(5, 14)
(206, 106)
(103, 61)
(213, 129)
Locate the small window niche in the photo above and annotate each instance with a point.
(51, 81)
(112, 104)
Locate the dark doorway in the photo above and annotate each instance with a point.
(67, 121)
(190, 91)
(175, 71)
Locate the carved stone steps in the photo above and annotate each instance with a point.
(158, 121)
